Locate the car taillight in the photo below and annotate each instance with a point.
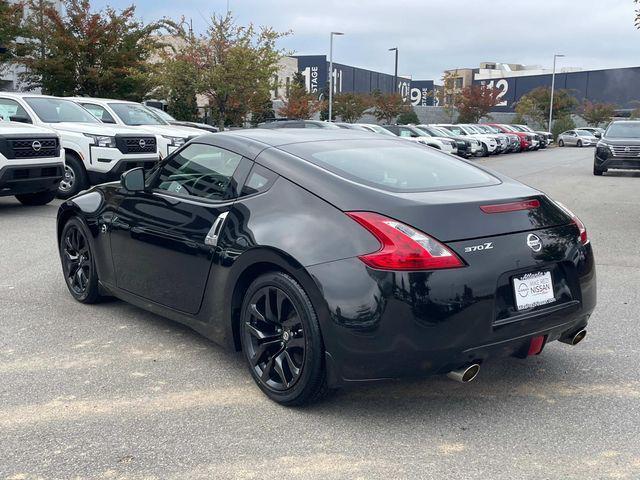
(403, 247)
(584, 238)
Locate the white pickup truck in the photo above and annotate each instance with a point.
(31, 163)
(94, 152)
(124, 113)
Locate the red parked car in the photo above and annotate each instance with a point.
(524, 138)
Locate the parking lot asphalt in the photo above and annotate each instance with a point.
(113, 392)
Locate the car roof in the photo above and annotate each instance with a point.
(250, 142)
(105, 100)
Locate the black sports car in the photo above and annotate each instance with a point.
(332, 257)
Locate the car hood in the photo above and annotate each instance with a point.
(95, 128)
(171, 130)
(18, 128)
(616, 141)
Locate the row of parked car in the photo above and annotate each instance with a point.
(59, 146)
(465, 140)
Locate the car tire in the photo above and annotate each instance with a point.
(35, 199)
(579, 144)
(281, 340)
(78, 263)
(561, 143)
(74, 180)
(485, 150)
(598, 171)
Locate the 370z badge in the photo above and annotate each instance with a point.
(479, 248)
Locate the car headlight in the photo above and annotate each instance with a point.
(175, 141)
(102, 140)
(603, 149)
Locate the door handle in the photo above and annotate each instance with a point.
(212, 237)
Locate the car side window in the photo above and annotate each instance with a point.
(199, 170)
(405, 133)
(99, 112)
(10, 108)
(259, 180)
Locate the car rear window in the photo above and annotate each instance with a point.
(393, 165)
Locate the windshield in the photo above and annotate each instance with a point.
(509, 128)
(391, 165)
(442, 132)
(455, 129)
(56, 110)
(473, 129)
(584, 133)
(382, 130)
(623, 130)
(134, 114)
(162, 114)
(483, 129)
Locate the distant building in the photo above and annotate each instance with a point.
(10, 77)
(619, 86)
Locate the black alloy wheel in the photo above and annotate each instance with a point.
(77, 263)
(281, 340)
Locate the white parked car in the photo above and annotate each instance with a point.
(94, 152)
(121, 112)
(373, 127)
(31, 161)
(577, 138)
(414, 134)
(489, 143)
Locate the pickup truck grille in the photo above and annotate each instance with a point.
(136, 144)
(625, 150)
(31, 147)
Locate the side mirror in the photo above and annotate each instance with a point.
(133, 180)
(20, 118)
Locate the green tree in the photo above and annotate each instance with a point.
(235, 64)
(10, 18)
(535, 105)
(387, 106)
(562, 124)
(80, 52)
(300, 104)
(262, 110)
(350, 106)
(597, 113)
(408, 117)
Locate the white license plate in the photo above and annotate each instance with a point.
(533, 289)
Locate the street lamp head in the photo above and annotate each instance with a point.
(394, 48)
(337, 33)
(559, 55)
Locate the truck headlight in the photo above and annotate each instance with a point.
(102, 140)
(175, 141)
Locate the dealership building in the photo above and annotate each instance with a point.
(349, 79)
(618, 86)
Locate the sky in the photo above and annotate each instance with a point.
(432, 35)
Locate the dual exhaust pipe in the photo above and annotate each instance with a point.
(470, 372)
(466, 374)
(574, 338)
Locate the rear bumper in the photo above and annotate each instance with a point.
(23, 179)
(97, 177)
(383, 325)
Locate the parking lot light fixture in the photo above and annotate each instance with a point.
(331, 80)
(553, 85)
(395, 72)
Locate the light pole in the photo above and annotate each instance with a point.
(395, 74)
(331, 73)
(553, 86)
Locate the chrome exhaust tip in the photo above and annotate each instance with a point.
(574, 339)
(466, 374)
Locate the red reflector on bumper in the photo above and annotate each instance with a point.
(511, 207)
(535, 347)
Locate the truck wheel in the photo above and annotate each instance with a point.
(74, 180)
(40, 198)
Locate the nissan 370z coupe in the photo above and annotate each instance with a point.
(335, 257)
